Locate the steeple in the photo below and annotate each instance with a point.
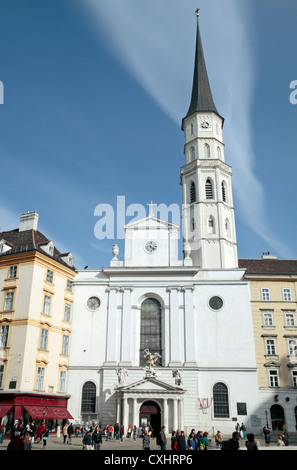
(201, 100)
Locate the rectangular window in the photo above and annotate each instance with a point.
(65, 344)
(273, 378)
(287, 297)
(49, 276)
(8, 301)
(292, 347)
(289, 318)
(270, 347)
(43, 339)
(1, 375)
(69, 285)
(294, 378)
(67, 312)
(12, 272)
(268, 318)
(40, 378)
(265, 294)
(4, 331)
(47, 304)
(62, 381)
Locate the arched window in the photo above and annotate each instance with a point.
(208, 189)
(193, 192)
(218, 152)
(192, 153)
(220, 401)
(150, 328)
(224, 191)
(206, 151)
(88, 400)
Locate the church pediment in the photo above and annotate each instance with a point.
(151, 222)
(150, 385)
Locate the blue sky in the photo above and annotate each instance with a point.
(94, 95)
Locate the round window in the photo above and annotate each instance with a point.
(93, 303)
(216, 303)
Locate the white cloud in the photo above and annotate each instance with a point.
(155, 41)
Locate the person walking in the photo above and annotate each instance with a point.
(27, 441)
(266, 432)
(39, 431)
(70, 433)
(243, 430)
(134, 432)
(87, 440)
(146, 441)
(44, 436)
(173, 439)
(97, 438)
(161, 439)
(65, 432)
(122, 432)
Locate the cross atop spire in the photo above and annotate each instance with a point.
(201, 100)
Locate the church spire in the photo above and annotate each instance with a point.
(201, 100)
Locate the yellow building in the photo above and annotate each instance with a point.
(35, 324)
(273, 285)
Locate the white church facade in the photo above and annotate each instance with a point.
(160, 339)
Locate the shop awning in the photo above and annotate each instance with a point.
(49, 412)
(4, 409)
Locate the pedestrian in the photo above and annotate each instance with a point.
(44, 436)
(233, 444)
(181, 441)
(243, 430)
(97, 438)
(65, 432)
(1, 433)
(192, 441)
(250, 443)
(204, 442)
(173, 439)
(218, 439)
(70, 433)
(116, 431)
(237, 429)
(27, 441)
(199, 436)
(40, 430)
(16, 442)
(161, 439)
(129, 430)
(146, 441)
(134, 433)
(266, 432)
(107, 430)
(87, 440)
(122, 432)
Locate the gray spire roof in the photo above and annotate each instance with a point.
(201, 100)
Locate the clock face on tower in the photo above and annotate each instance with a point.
(150, 246)
(205, 125)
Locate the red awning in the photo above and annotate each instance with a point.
(49, 412)
(4, 409)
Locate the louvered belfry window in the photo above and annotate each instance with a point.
(193, 193)
(208, 189)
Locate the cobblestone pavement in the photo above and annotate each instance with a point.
(55, 443)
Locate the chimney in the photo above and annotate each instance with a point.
(268, 256)
(29, 221)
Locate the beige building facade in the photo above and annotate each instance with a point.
(35, 323)
(273, 285)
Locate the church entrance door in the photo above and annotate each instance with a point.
(150, 413)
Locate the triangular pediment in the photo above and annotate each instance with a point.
(150, 384)
(151, 222)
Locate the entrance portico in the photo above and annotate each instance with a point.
(169, 399)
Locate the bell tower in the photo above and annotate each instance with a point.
(208, 214)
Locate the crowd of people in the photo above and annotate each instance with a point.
(22, 438)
